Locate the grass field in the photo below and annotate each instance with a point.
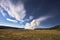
(17, 34)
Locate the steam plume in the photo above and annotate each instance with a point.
(36, 22)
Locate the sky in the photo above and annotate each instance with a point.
(30, 14)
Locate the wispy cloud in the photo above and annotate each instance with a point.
(17, 12)
(2, 12)
(11, 20)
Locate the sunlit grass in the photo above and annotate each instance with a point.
(17, 34)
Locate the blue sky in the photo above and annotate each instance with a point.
(32, 13)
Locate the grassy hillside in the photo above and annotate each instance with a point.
(17, 34)
(57, 27)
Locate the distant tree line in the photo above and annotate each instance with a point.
(57, 27)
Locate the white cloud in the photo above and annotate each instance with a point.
(11, 20)
(17, 12)
(31, 17)
(1, 11)
(36, 22)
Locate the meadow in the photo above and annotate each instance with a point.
(17, 34)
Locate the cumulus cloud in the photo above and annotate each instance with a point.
(17, 12)
(36, 22)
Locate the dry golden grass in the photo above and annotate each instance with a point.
(17, 34)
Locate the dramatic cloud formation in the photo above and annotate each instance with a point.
(36, 22)
(17, 12)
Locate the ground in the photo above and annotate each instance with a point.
(17, 34)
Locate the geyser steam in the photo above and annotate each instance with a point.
(36, 22)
